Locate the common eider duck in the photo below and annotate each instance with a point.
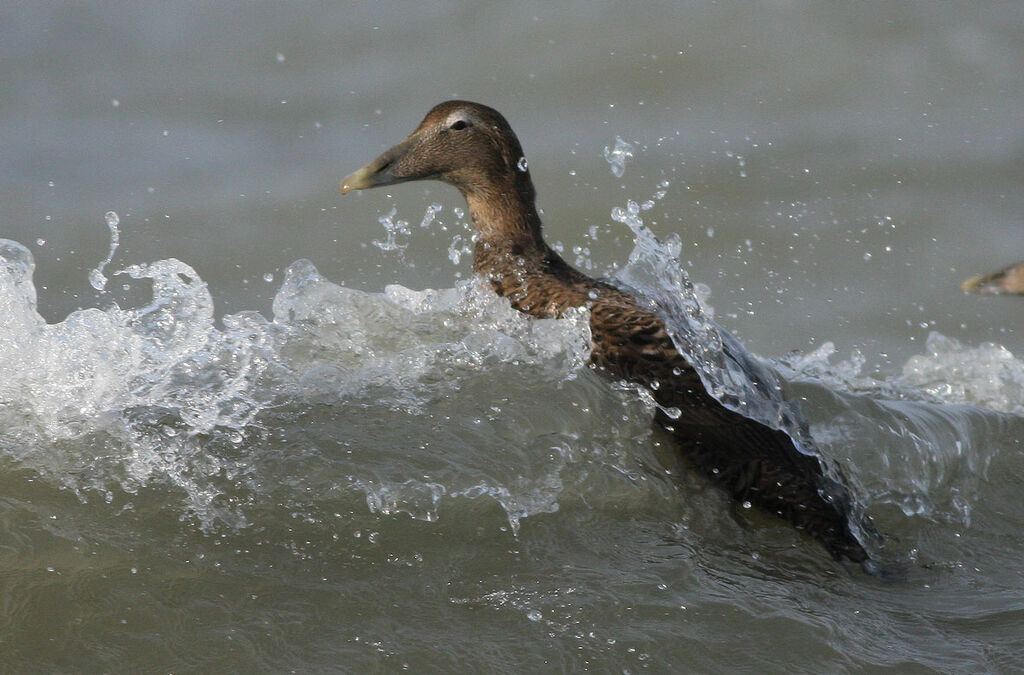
(473, 148)
(1007, 280)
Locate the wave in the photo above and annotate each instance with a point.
(410, 400)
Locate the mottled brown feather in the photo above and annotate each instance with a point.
(750, 461)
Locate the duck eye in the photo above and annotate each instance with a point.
(459, 125)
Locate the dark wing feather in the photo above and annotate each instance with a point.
(751, 461)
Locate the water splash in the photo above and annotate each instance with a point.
(618, 156)
(731, 374)
(457, 249)
(988, 375)
(401, 337)
(96, 278)
(430, 214)
(392, 229)
(163, 397)
(108, 375)
(519, 496)
(736, 378)
(121, 401)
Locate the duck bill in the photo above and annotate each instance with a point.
(379, 171)
(975, 284)
(1009, 280)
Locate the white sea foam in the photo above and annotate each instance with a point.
(988, 375)
(116, 400)
(152, 389)
(344, 340)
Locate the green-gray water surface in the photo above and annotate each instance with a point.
(267, 446)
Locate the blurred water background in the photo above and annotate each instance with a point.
(257, 440)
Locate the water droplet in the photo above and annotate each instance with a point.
(522, 165)
(268, 277)
(280, 57)
(534, 615)
(430, 214)
(392, 227)
(619, 156)
(96, 278)
(114, 102)
(456, 250)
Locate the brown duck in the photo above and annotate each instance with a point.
(473, 148)
(1009, 280)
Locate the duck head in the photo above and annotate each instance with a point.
(464, 144)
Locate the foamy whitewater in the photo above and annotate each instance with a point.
(441, 445)
(110, 402)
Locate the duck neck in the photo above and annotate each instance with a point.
(512, 256)
(507, 224)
